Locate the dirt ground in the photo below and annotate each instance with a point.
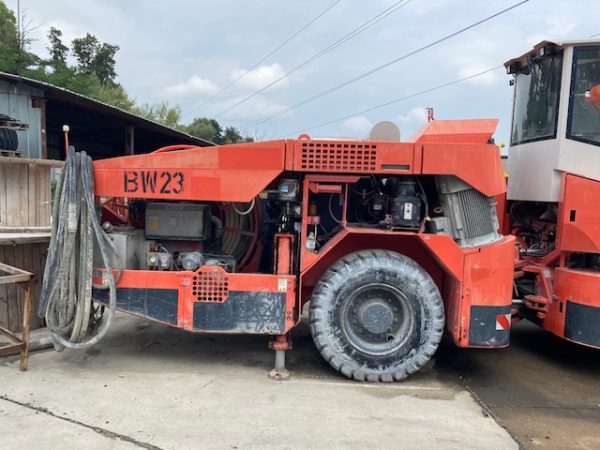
(544, 390)
(153, 387)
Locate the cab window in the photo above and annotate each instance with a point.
(584, 104)
(537, 89)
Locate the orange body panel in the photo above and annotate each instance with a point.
(475, 131)
(227, 173)
(579, 217)
(476, 164)
(487, 281)
(573, 287)
(183, 281)
(240, 172)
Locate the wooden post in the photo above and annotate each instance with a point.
(129, 140)
(39, 102)
(17, 276)
(25, 335)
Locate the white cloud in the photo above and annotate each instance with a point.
(254, 109)
(357, 127)
(260, 77)
(417, 115)
(195, 85)
(560, 26)
(487, 79)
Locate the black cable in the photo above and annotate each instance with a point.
(66, 295)
(271, 53)
(387, 64)
(383, 14)
(400, 99)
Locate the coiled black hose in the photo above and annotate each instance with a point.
(66, 295)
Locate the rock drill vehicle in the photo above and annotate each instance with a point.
(553, 185)
(388, 244)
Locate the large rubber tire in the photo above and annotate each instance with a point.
(13, 140)
(376, 315)
(8, 139)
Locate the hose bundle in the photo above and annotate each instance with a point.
(66, 295)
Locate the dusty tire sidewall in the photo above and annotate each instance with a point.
(398, 272)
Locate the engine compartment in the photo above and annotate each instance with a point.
(239, 237)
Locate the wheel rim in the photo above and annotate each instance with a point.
(378, 319)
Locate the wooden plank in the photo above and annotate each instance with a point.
(45, 206)
(4, 194)
(3, 296)
(10, 349)
(22, 189)
(12, 219)
(7, 160)
(13, 309)
(12, 269)
(8, 279)
(23, 238)
(19, 265)
(38, 260)
(32, 198)
(26, 326)
(9, 334)
(17, 196)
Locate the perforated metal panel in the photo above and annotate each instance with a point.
(210, 286)
(326, 156)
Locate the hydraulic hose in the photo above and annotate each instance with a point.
(66, 295)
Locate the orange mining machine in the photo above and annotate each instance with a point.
(389, 244)
(554, 185)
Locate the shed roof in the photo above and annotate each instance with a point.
(100, 121)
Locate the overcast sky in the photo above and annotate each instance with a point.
(184, 51)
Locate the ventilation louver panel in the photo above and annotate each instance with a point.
(210, 286)
(338, 157)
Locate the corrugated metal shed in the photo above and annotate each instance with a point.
(16, 102)
(98, 128)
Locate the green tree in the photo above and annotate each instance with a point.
(205, 128)
(162, 113)
(115, 95)
(58, 51)
(211, 130)
(95, 58)
(232, 135)
(14, 57)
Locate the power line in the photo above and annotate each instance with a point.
(387, 64)
(383, 14)
(390, 102)
(271, 53)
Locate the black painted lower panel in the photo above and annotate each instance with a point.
(243, 312)
(159, 304)
(482, 327)
(582, 323)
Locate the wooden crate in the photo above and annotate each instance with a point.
(29, 257)
(24, 230)
(25, 193)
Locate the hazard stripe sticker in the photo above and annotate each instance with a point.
(502, 322)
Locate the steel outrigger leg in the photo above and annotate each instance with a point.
(280, 344)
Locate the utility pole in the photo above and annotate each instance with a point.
(19, 37)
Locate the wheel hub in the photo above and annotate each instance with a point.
(377, 317)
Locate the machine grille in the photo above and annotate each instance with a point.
(471, 216)
(338, 156)
(476, 213)
(210, 286)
